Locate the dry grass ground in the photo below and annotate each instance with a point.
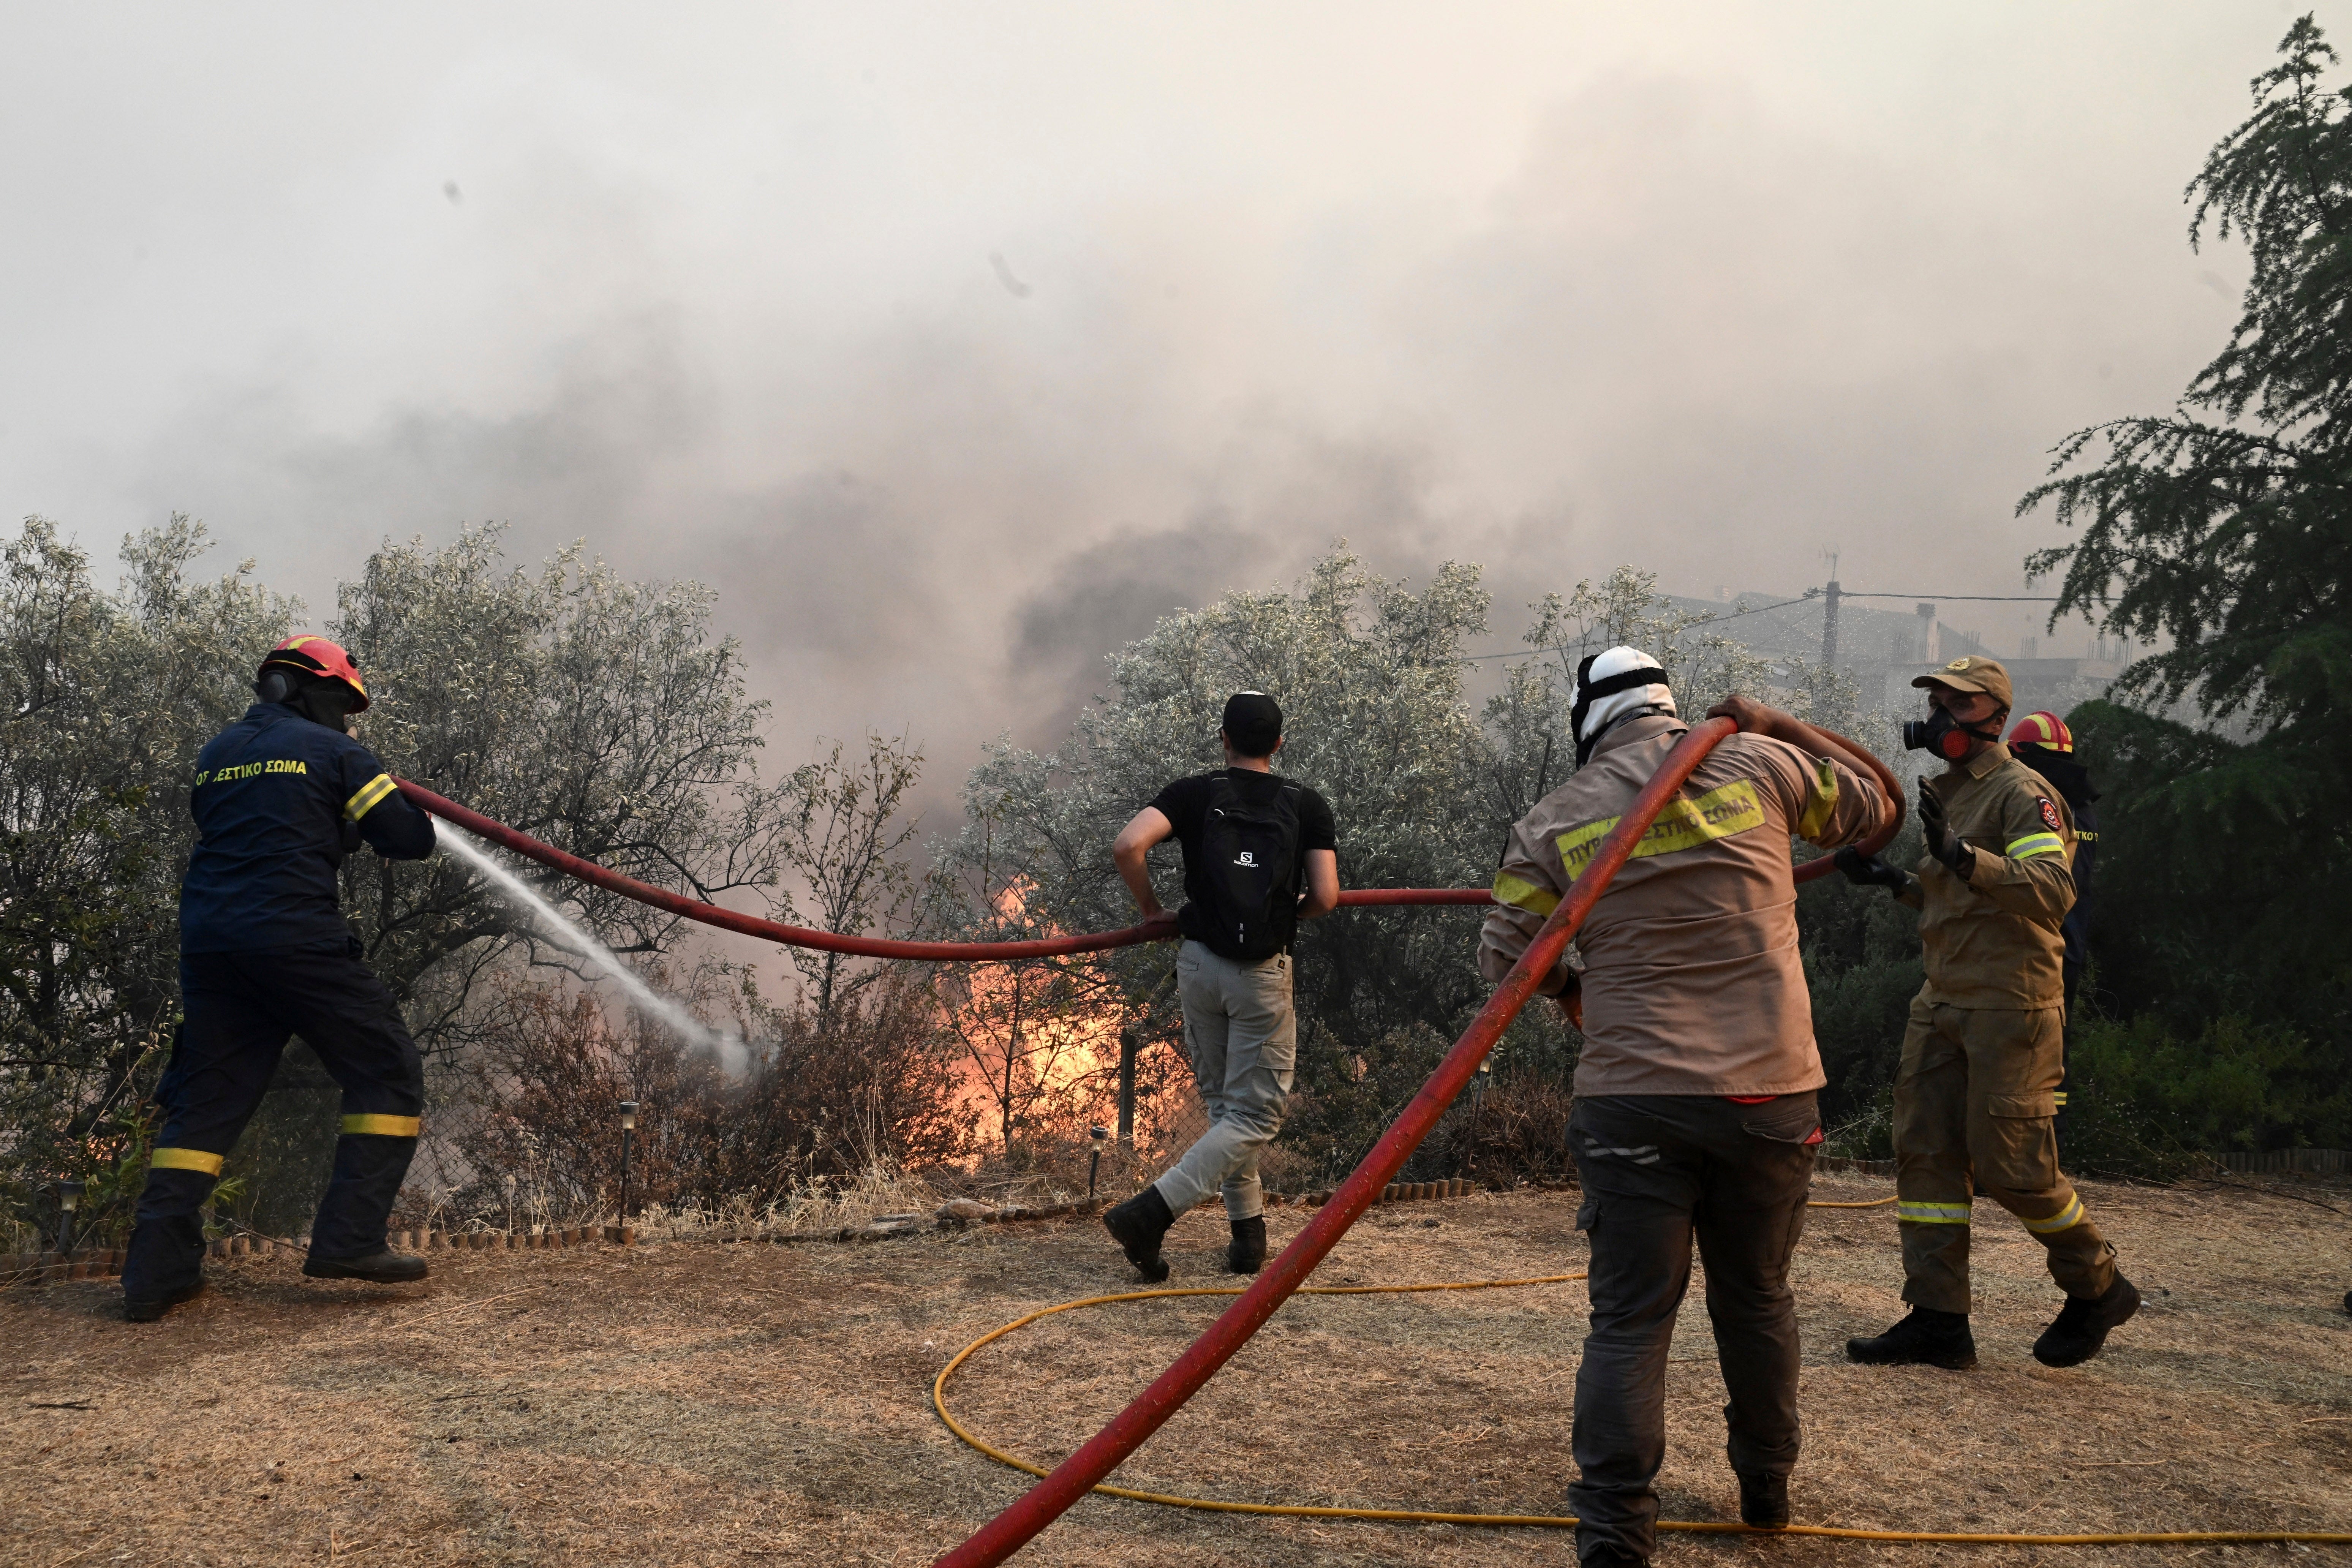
(694, 1403)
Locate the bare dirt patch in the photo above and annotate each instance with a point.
(700, 1403)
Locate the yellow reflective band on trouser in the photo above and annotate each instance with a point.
(370, 795)
(1931, 1214)
(2058, 1099)
(2066, 1218)
(185, 1159)
(1509, 890)
(383, 1126)
(2033, 844)
(1820, 801)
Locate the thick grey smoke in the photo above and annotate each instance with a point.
(953, 356)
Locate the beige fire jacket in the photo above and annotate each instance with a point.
(1692, 981)
(1993, 940)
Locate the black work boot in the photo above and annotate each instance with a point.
(147, 1311)
(1607, 1554)
(1246, 1255)
(1764, 1501)
(1137, 1226)
(385, 1267)
(1927, 1337)
(2082, 1324)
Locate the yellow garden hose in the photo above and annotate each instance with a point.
(1551, 1522)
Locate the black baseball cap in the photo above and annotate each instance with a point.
(1252, 723)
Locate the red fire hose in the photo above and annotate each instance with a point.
(1164, 930)
(604, 877)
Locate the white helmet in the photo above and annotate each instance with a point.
(1610, 688)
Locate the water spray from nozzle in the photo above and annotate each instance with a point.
(728, 1049)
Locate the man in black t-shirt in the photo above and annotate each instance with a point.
(1261, 853)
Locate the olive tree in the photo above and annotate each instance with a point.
(592, 712)
(105, 696)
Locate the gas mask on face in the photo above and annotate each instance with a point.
(1941, 734)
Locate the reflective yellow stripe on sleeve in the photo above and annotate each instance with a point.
(1509, 890)
(1821, 800)
(185, 1159)
(370, 795)
(2065, 1219)
(2033, 844)
(1932, 1213)
(383, 1126)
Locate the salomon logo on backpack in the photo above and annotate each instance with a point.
(1252, 849)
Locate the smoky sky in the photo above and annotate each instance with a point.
(953, 345)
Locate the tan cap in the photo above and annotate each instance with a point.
(1972, 672)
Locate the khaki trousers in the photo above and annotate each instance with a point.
(1243, 1037)
(1974, 1103)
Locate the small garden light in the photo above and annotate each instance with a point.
(68, 1200)
(1094, 1166)
(628, 1127)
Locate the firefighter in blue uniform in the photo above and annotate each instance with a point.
(279, 798)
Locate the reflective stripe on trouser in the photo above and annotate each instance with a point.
(1974, 1102)
(1242, 1033)
(240, 1009)
(1658, 1171)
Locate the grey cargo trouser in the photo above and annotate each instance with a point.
(1655, 1169)
(1243, 1037)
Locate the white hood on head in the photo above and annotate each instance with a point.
(1605, 695)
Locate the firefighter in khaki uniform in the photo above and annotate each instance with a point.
(1984, 1054)
(1695, 1116)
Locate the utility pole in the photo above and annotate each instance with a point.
(1829, 614)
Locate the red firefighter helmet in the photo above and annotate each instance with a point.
(2045, 729)
(317, 656)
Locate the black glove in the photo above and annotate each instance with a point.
(1942, 842)
(1869, 871)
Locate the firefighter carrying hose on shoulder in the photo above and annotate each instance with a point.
(1975, 1097)
(279, 798)
(1695, 1116)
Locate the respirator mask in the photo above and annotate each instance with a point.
(1941, 734)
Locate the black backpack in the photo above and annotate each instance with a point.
(1251, 851)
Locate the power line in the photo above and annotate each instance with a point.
(1524, 653)
(1971, 598)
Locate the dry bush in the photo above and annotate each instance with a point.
(817, 1113)
(1514, 1130)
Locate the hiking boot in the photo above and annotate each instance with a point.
(1137, 1226)
(148, 1312)
(1926, 1338)
(1764, 1501)
(1609, 1555)
(2082, 1324)
(386, 1268)
(1246, 1255)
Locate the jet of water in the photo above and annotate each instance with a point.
(653, 1004)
